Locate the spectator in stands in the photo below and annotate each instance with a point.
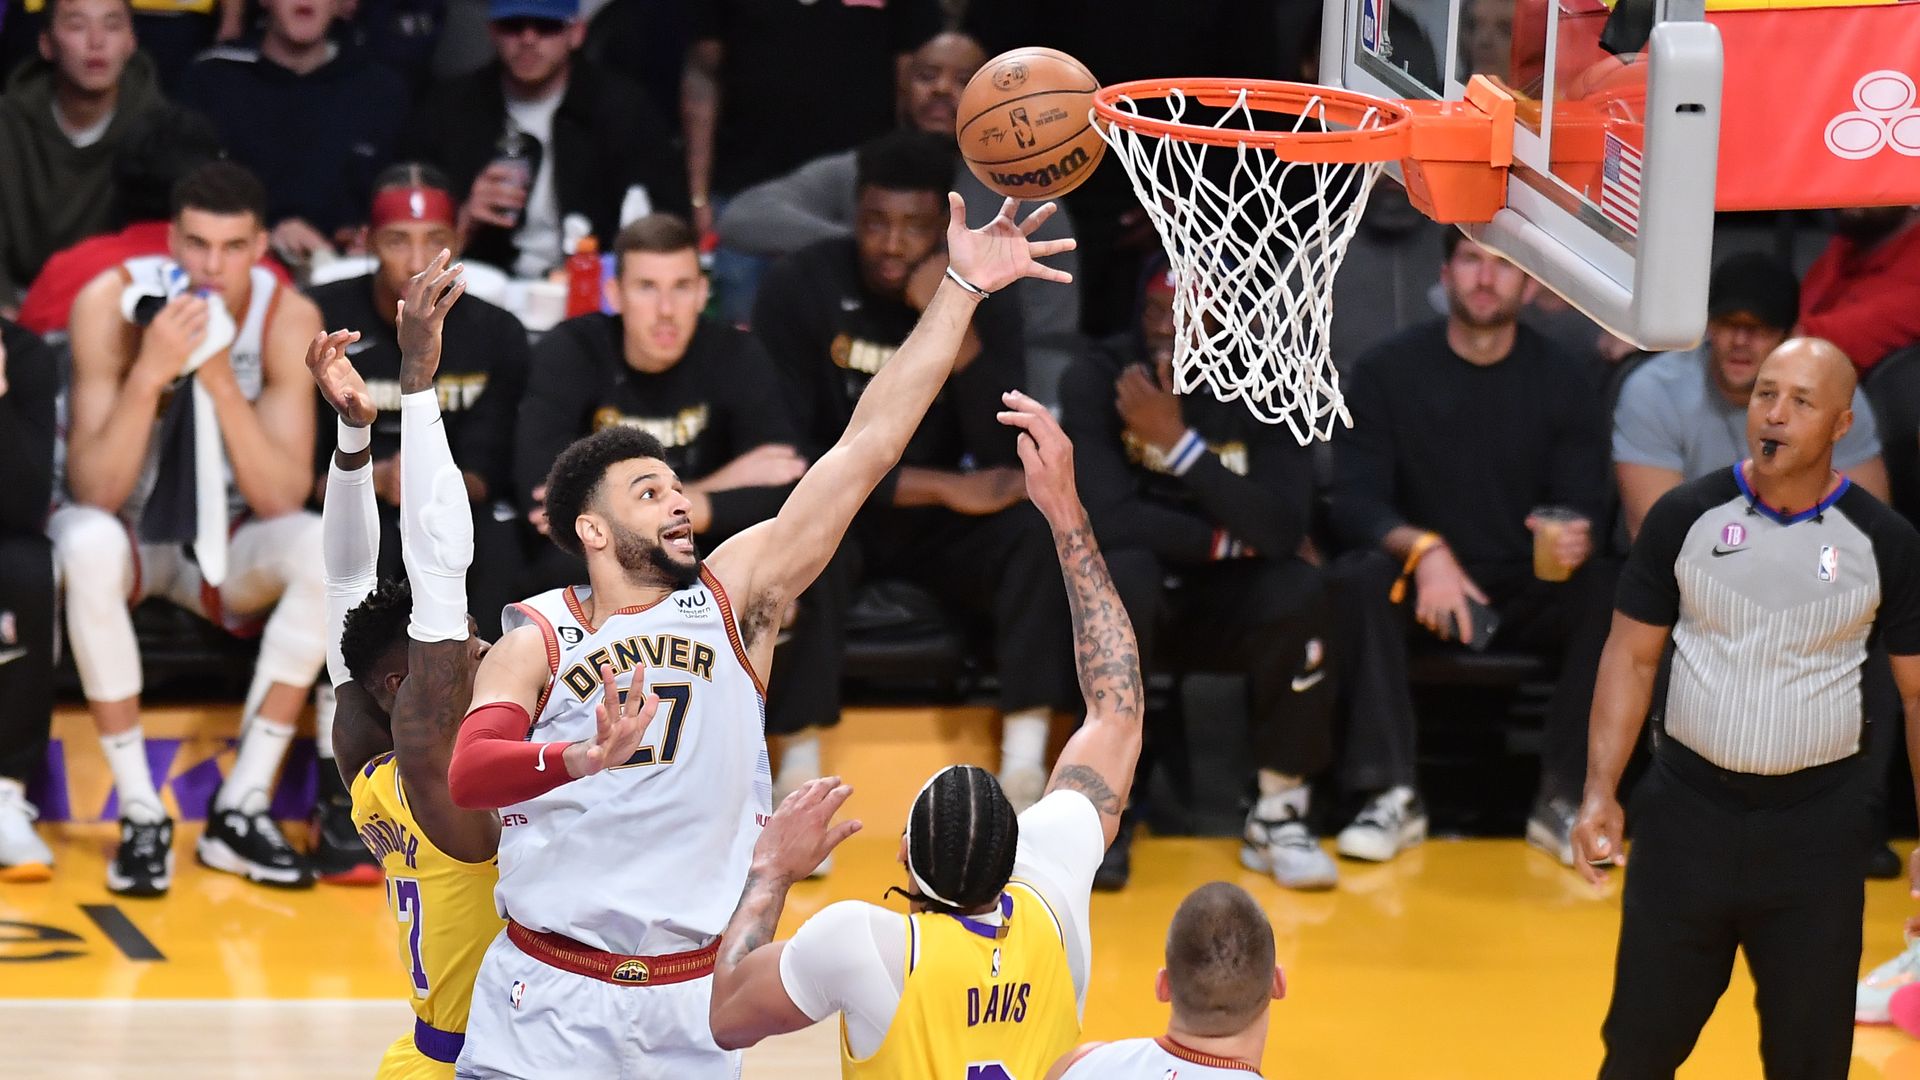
(145, 425)
(712, 397)
(816, 202)
(61, 123)
(1682, 415)
(760, 98)
(952, 517)
(345, 108)
(171, 32)
(27, 387)
(605, 155)
(1201, 511)
(482, 378)
(1863, 292)
(1462, 428)
(161, 146)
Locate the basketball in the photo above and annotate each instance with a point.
(1025, 124)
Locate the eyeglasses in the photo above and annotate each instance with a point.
(520, 24)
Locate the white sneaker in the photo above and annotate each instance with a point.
(1285, 848)
(24, 856)
(1872, 996)
(1023, 785)
(1389, 824)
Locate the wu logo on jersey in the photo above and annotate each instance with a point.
(695, 604)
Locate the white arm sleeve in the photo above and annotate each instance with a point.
(350, 552)
(850, 958)
(1061, 845)
(436, 524)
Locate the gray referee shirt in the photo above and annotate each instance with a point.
(1772, 614)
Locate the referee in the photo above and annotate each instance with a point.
(1750, 828)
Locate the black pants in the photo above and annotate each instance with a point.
(499, 555)
(1001, 566)
(804, 689)
(1565, 623)
(1266, 618)
(26, 653)
(1771, 865)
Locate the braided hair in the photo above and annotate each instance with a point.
(961, 835)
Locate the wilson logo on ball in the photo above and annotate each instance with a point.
(1043, 177)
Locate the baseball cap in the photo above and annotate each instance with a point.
(1756, 284)
(557, 10)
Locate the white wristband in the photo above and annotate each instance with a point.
(349, 439)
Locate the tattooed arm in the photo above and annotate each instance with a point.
(427, 711)
(750, 1001)
(1098, 761)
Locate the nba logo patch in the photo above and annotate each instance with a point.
(519, 991)
(9, 631)
(1316, 653)
(1733, 535)
(1829, 569)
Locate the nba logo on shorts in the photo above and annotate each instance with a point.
(1829, 569)
(1733, 535)
(519, 991)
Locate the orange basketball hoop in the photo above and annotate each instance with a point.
(1253, 248)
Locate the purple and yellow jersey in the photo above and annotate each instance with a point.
(443, 908)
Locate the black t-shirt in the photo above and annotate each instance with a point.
(1772, 615)
(798, 79)
(721, 400)
(829, 336)
(1467, 450)
(483, 373)
(1254, 481)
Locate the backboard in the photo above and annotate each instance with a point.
(1611, 193)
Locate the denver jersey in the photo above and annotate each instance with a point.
(647, 857)
(444, 907)
(980, 1001)
(1154, 1059)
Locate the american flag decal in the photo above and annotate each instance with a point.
(1620, 183)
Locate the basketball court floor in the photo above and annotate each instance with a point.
(1464, 959)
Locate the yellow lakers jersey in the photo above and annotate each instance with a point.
(980, 1002)
(443, 908)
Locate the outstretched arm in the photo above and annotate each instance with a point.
(773, 562)
(1098, 761)
(750, 1002)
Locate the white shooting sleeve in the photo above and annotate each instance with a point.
(349, 543)
(436, 522)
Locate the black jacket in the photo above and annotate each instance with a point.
(26, 431)
(607, 137)
(1255, 482)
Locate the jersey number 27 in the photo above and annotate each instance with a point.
(675, 700)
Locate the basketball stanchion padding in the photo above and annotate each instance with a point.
(1256, 220)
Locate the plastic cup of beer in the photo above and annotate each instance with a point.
(1548, 523)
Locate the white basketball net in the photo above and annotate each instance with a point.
(1252, 271)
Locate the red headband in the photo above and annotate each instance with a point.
(411, 204)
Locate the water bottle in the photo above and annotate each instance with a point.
(519, 152)
(583, 278)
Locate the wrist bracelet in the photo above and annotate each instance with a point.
(1419, 550)
(349, 439)
(954, 276)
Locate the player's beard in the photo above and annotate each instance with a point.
(645, 560)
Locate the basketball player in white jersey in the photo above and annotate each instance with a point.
(210, 521)
(1220, 979)
(987, 979)
(621, 857)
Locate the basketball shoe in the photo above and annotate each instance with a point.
(247, 841)
(338, 855)
(1550, 827)
(1873, 997)
(1389, 824)
(143, 864)
(23, 855)
(1277, 841)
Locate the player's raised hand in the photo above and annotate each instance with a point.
(422, 315)
(802, 832)
(339, 383)
(1047, 455)
(1597, 837)
(1001, 252)
(620, 725)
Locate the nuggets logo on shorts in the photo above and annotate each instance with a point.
(519, 991)
(631, 971)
